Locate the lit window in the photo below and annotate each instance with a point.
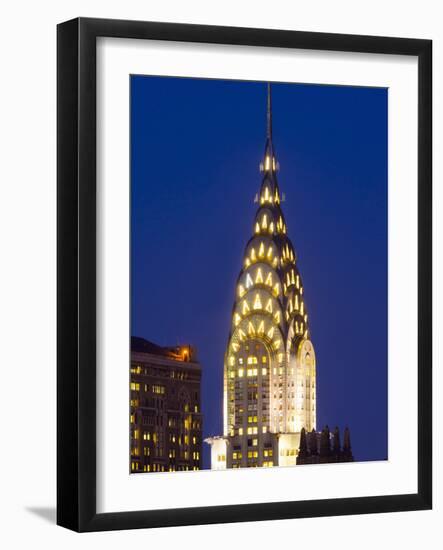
(259, 276)
(249, 281)
(240, 373)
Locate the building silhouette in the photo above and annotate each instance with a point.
(165, 414)
(324, 447)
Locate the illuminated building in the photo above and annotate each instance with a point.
(165, 415)
(269, 364)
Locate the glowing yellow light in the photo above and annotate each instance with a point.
(296, 302)
(276, 289)
(275, 262)
(257, 302)
(241, 290)
(301, 290)
(261, 251)
(271, 227)
(247, 262)
(249, 281)
(267, 163)
(266, 193)
(277, 317)
(306, 318)
(237, 319)
(261, 327)
(235, 347)
(269, 253)
(259, 276)
(292, 277)
(288, 279)
(301, 327)
(296, 327)
(264, 222)
(297, 283)
(231, 360)
(270, 333)
(251, 329)
(280, 358)
(302, 308)
(257, 228)
(277, 344)
(269, 279)
(290, 306)
(240, 373)
(245, 307)
(284, 228)
(269, 305)
(241, 335)
(253, 256)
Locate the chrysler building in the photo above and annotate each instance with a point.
(269, 364)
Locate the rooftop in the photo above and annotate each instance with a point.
(183, 353)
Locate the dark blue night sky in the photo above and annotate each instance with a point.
(195, 152)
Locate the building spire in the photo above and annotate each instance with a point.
(269, 114)
(269, 164)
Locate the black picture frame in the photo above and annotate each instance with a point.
(76, 266)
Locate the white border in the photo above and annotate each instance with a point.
(116, 489)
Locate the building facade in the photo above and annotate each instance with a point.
(165, 413)
(269, 364)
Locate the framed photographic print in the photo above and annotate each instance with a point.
(244, 274)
